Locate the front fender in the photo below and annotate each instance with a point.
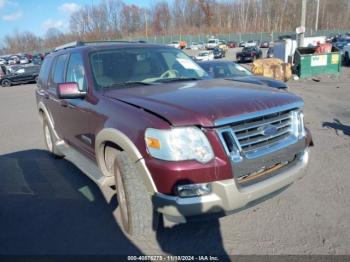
(117, 137)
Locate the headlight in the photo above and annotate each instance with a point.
(176, 144)
(298, 124)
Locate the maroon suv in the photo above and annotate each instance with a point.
(148, 121)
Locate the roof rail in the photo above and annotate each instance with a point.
(80, 43)
(69, 45)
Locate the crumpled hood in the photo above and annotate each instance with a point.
(202, 102)
(260, 80)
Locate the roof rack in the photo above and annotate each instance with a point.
(81, 43)
(69, 45)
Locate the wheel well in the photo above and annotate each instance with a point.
(41, 114)
(109, 152)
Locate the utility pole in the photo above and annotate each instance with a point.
(302, 22)
(146, 24)
(317, 12)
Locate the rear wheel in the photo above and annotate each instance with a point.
(6, 83)
(138, 217)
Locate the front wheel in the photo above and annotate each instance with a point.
(138, 217)
(6, 83)
(50, 140)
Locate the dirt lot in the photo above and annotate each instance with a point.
(48, 206)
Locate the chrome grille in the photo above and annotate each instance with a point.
(258, 132)
(250, 133)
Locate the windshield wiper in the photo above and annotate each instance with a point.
(127, 84)
(177, 79)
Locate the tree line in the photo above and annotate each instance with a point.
(114, 19)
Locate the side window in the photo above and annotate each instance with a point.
(44, 72)
(58, 69)
(76, 71)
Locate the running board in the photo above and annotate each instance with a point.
(86, 165)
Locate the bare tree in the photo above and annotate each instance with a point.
(22, 42)
(112, 19)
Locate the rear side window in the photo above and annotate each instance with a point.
(44, 71)
(58, 71)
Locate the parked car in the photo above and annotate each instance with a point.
(38, 56)
(164, 136)
(249, 54)
(346, 51)
(178, 44)
(269, 53)
(201, 45)
(284, 37)
(231, 70)
(37, 61)
(212, 43)
(3, 61)
(242, 44)
(222, 45)
(23, 60)
(231, 44)
(205, 56)
(265, 44)
(21, 75)
(2, 71)
(194, 46)
(251, 43)
(219, 53)
(341, 43)
(13, 60)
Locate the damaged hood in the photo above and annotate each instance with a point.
(202, 102)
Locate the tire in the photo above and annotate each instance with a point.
(137, 214)
(6, 83)
(50, 140)
(36, 79)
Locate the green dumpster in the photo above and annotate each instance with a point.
(307, 63)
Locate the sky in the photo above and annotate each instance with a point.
(39, 15)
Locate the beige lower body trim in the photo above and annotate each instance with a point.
(227, 196)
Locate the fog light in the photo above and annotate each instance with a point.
(193, 190)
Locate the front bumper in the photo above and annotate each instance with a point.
(227, 195)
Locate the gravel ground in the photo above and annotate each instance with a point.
(48, 206)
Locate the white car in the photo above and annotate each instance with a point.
(205, 56)
(212, 43)
(251, 43)
(175, 44)
(23, 60)
(13, 60)
(194, 46)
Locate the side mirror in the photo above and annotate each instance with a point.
(69, 91)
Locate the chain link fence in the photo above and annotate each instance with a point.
(238, 37)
